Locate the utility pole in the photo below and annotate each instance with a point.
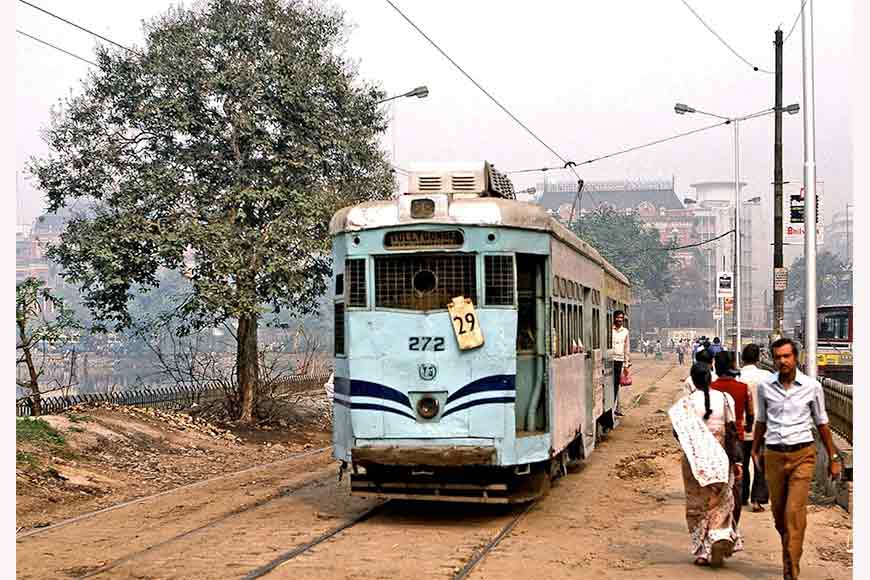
(810, 332)
(778, 295)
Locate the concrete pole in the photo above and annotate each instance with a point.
(738, 274)
(778, 295)
(810, 332)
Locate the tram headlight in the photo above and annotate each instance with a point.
(427, 407)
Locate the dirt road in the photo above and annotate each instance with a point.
(620, 516)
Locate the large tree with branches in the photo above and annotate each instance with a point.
(221, 148)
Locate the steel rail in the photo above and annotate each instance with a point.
(167, 492)
(302, 548)
(478, 557)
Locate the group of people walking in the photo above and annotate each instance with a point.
(730, 419)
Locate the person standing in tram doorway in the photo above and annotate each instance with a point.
(621, 356)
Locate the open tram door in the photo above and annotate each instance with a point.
(531, 398)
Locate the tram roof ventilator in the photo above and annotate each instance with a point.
(475, 179)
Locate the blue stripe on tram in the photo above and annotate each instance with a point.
(490, 383)
(470, 404)
(367, 389)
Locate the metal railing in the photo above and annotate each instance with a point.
(174, 397)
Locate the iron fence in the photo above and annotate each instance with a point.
(173, 397)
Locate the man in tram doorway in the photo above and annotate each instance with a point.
(621, 356)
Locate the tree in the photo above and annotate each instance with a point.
(633, 247)
(41, 319)
(833, 281)
(221, 150)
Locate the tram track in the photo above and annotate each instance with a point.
(478, 557)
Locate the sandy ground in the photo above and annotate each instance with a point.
(620, 516)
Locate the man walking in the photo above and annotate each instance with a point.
(789, 403)
(621, 356)
(753, 376)
(727, 383)
(681, 353)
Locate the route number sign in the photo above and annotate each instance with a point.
(725, 285)
(466, 325)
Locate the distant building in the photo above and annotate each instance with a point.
(839, 234)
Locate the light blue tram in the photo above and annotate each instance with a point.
(416, 416)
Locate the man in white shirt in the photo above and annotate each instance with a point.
(752, 376)
(621, 356)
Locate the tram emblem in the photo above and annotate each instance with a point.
(427, 371)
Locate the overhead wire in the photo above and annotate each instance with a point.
(723, 41)
(695, 245)
(81, 58)
(82, 28)
(796, 18)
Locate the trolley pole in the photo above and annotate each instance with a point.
(778, 295)
(810, 332)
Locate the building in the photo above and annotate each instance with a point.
(839, 233)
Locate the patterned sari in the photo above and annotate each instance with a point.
(707, 476)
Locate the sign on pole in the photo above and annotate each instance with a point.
(725, 285)
(793, 212)
(717, 313)
(780, 279)
(729, 305)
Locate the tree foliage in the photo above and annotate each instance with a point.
(833, 281)
(41, 320)
(220, 149)
(633, 247)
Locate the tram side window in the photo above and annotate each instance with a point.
(608, 334)
(834, 326)
(339, 329)
(356, 280)
(499, 278)
(596, 328)
(564, 342)
(555, 313)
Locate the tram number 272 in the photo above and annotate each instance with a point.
(435, 343)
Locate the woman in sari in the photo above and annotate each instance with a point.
(704, 425)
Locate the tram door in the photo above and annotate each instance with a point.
(531, 399)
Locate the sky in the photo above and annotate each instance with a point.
(588, 78)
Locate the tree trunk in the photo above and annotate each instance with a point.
(248, 368)
(35, 397)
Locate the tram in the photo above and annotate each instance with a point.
(833, 342)
(472, 337)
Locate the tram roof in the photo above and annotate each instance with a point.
(464, 209)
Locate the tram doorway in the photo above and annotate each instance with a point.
(531, 399)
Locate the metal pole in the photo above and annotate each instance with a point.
(778, 295)
(810, 332)
(738, 274)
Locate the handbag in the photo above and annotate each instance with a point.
(625, 378)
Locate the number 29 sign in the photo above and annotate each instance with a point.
(466, 326)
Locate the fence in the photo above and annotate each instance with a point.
(175, 397)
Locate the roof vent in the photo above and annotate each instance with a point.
(462, 182)
(429, 182)
(479, 178)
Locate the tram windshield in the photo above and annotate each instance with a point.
(834, 325)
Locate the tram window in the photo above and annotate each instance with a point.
(339, 285)
(608, 332)
(424, 281)
(564, 340)
(596, 328)
(499, 273)
(338, 325)
(555, 314)
(356, 282)
(834, 326)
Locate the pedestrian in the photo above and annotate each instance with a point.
(681, 353)
(702, 356)
(739, 391)
(716, 347)
(756, 492)
(789, 404)
(621, 356)
(645, 343)
(703, 423)
(658, 350)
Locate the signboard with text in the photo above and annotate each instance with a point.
(780, 279)
(793, 207)
(728, 303)
(724, 284)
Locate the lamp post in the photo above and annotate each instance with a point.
(420, 92)
(682, 109)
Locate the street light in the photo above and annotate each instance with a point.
(419, 92)
(689, 201)
(682, 109)
(753, 200)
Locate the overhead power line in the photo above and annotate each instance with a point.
(82, 28)
(624, 151)
(22, 33)
(723, 41)
(796, 18)
(478, 85)
(695, 245)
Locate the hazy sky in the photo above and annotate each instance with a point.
(588, 77)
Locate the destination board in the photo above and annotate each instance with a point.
(416, 239)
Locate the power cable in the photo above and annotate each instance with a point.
(629, 150)
(56, 47)
(478, 85)
(62, 19)
(695, 245)
(722, 40)
(796, 18)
